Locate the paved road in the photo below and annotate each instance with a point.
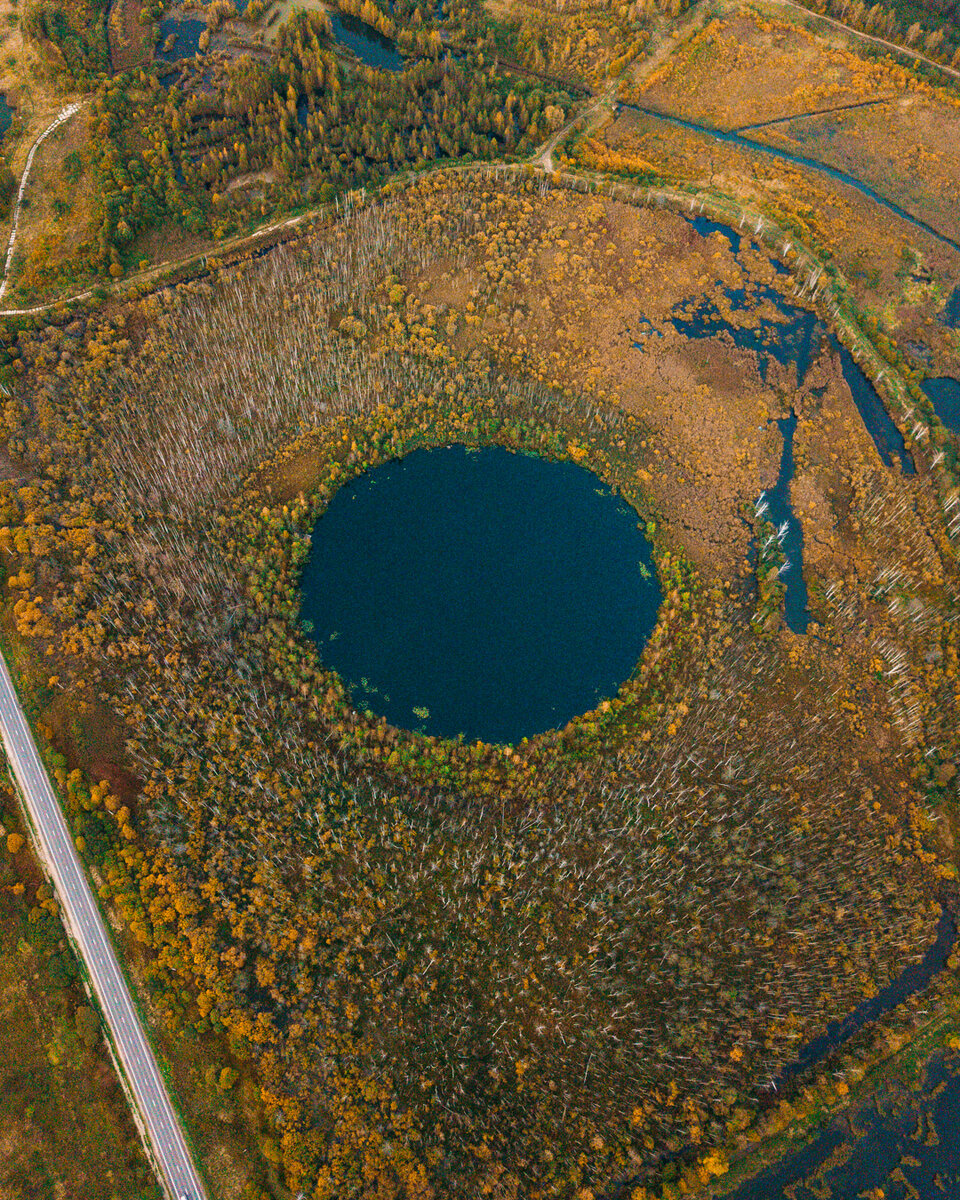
(82, 916)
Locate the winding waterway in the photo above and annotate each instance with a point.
(780, 510)
(800, 160)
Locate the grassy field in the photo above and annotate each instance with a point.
(225, 1123)
(744, 67)
(907, 149)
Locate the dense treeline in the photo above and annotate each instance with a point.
(451, 968)
(72, 34)
(930, 26)
(311, 126)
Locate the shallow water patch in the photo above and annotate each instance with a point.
(780, 512)
(367, 43)
(951, 313)
(887, 1131)
(944, 394)
(789, 341)
(186, 33)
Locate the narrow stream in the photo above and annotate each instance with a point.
(881, 1135)
(886, 436)
(800, 160)
(850, 1170)
(777, 498)
(911, 979)
(950, 317)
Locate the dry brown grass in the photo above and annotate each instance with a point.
(877, 252)
(908, 150)
(742, 68)
(65, 1129)
(60, 211)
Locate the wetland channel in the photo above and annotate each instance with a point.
(944, 394)
(801, 160)
(791, 341)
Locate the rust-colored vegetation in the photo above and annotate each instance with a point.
(470, 969)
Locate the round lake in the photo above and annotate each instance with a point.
(479, 592)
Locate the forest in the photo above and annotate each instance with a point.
(448, 968)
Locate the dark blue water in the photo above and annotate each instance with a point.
(486, 593)
(911, 979)
(188, 31)
(367, 43)
(6, 116)
(704, 226)
(951, 313)
(920, 1138)
(886, 436)
(788, 341)
(795, 609)
(801, 160)
(791, 341)
(945, 395)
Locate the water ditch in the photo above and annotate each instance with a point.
(873, 1158)
(950, 317)
(888, 1148)
(912, 979)
(800, 160)
(790, 339)
(886, 436)
(884, 1129)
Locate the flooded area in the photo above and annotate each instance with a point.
(905, 1143)
(367, 43)
(886, 436)
(179, 38)
(944, 393)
